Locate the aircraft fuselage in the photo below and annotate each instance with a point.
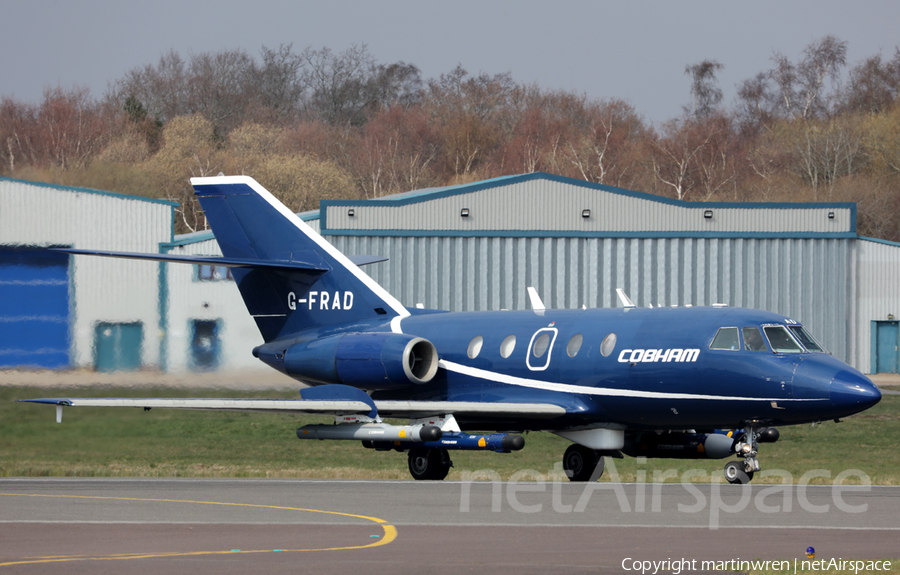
(631, 368)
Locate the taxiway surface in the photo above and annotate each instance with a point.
(328, 526)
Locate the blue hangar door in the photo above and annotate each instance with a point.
(34, 308)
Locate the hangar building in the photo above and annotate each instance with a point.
(478, 246)
(57, 311)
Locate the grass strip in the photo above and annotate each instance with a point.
(116, 442)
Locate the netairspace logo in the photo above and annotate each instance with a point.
(774, 498)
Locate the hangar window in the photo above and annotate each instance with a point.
(726, 338)
(608, 345)
(753, 340)
(807, 340)
(475, 346)
(508, 345)
(780, 339)
(574, 345)
(207, 273)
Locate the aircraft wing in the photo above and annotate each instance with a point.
(301, 406)
(427, 408)
(319, 406)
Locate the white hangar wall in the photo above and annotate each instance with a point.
(543, 203)
(108, 298)
(878, 306)
(207, 325)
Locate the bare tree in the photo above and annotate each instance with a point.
(874, 85)
(279, 83)
(825, 150)
(673, 162)
(705, 92)
(609, 147)
(467, 111)
(754, 105)
(801, 88)
(346, 88)
(822, 60)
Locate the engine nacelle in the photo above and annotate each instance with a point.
(678, 445)
(379, 360)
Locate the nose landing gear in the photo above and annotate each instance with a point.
(747, 446)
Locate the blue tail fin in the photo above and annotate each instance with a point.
(322, 287)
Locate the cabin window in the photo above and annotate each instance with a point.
(541, 344)
(574, 345)
(608, 345)
(475, 346)
(780, 339)
(807, 340)
(726, 338)
(753, 340)
(508, 345)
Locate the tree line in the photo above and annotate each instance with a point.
(315, 124)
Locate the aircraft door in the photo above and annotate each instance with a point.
(540, 349)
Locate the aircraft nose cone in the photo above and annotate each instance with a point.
(853, 392)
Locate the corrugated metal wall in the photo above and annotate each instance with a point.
(807, 279)
(550, 205)
(879, 293)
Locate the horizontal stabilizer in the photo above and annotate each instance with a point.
(293, 264)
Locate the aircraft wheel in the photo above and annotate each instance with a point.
(734, 473)
(580, 463)
(429, 464)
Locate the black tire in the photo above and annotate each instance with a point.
(735, 474)
(429, 464)
(580, 463)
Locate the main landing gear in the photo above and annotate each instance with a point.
(741, 472)
(583, 463)
(433, 464)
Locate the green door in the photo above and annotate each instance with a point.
(117, 346)
(888, 337)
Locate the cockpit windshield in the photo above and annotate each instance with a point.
(806, 339)
(726, 338)
(780, 339)
(753, 340)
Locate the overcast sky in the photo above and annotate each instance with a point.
(634, 50)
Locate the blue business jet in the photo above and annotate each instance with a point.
(671, 382)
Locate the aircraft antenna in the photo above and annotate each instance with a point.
(626, 302)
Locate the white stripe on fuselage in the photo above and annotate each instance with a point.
(602, 391)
